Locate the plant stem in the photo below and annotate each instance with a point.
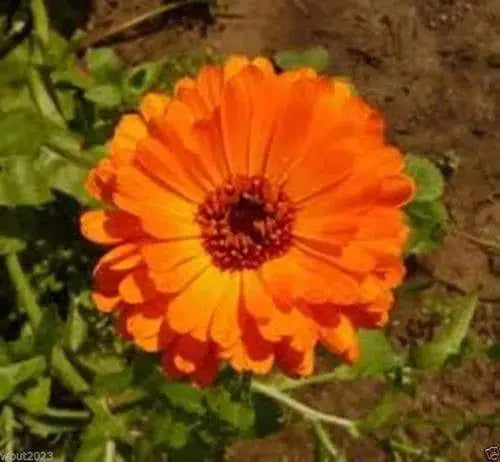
(291, 384)
(138, 20)
(324, 439)
(110, 451)
(43, 99)
(308, 412)
(25, 296)
(40, 21)
(55, 413)
(70, 157)
(61, 365)
(489, 243)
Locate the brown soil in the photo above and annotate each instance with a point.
(433, 67)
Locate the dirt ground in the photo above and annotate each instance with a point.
(433, 67)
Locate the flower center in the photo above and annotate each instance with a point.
(246, 222)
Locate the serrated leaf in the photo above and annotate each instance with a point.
(433, 355)
(28, 181)
(76, 330)
(14, 66)
(377, 356)
(106, 95)
(113, 384)
(428, 222)
(316, 58)
(104, 65)
(165, 431)
(37, 398)
(49, 331)
(429, 180)
(102, 363)
(13, 375)
(184, 396)
(238, 415)
(23, 133)
(141, 78)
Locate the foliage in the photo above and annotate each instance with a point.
(427, 215)
(66, 381)
(316, 58)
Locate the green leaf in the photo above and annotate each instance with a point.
(184, 396)
(49, 332)
(377, 357)
(141, 78)
(102, 363)
(429, 180)
(238, 415)
(384, 410)
(37, 398)
(316, 58)
(76, 330)
(28, 181)
(165, 431)
(13, 375)
(114, 384)
(106, 95)
(428, 222)
(23, 133)
(14, 66)
(433, 355)
(104, 65)
(44, 429)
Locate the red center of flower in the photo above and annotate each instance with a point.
(246, 222)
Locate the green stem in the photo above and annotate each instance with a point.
(54, 413)
(25, 296)
(61, 365)
(291, 384)
(138, 20)
(110, 451)
(40, 21)
(324, 439)
(308, 412)
(70, 157)
(42, 97)
(406, 449)
(488, 243)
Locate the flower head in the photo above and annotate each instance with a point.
(252, 215)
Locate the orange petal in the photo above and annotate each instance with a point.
(175, 130)
(224, 326)
(289, 142)
(163, 256)
(109, 226)
(267, 101)
(137, 287)
(397, 191)
(193, 308)
(104, 303)
(129, 131)
(236, 113)
(177, 278)
(341, 338)
(234, 65)
(257, 300)
(153, 105)
(210, 80)
(163, 214)
(295, 362)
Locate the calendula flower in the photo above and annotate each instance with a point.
(252, 216)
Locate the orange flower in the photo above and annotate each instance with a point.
(252, 215)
